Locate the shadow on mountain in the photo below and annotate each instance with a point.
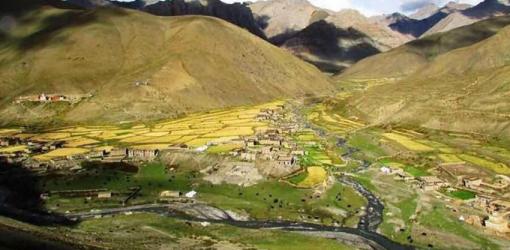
(262, 21)
(19, 7)
(333, 48)
(486, 9)
(235, 13)
(20, 197)
(53, 25)
(440, 43)
(281, 38)
(416, 28)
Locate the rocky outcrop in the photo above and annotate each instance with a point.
(206, 212)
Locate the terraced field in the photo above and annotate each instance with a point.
(194, 131)
(407, 142)
(334, 123)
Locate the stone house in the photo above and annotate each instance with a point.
(116, 155)
(471, 182)
(286, 161)
(170, 194)
(4, 142)
(270, 142)
(248, 156)
(104, 195)
(142, 154)
(298, 153)
(431, 183)
(499, 206)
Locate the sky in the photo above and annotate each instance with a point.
(376, 7)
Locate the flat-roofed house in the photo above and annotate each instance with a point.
(286, 161)
(142, 154)
(472, 182)
(431, 183)
(104, 195)
(246, 156)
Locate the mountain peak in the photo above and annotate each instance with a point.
(425, 11)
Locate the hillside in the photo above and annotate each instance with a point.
(461, 89)
(330, 48)
(407, 59)
(191, 63)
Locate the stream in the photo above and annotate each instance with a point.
(210, 214)
(365, 233)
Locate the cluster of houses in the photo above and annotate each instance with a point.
(32, 147)
(491, 199)
(492, 196)
(129, 154)
(49, 98)
(145, 82)
(274, 144)
(268, 146)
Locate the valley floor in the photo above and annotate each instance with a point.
(211, 179)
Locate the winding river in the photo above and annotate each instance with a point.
(366, 231)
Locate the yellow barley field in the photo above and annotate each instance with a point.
(449, 158)
(80, 142)
(61, 152)
(408, 143)
(316, 176)
(167, 139)
(497, 167)
(231, 131)
(152, 146)
(13, 149)
(156, 134)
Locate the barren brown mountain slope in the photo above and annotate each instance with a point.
(192, 63)
(484, 10)
(465, 89)
(413, 56)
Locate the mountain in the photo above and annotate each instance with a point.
(281, 19)
(89, 4)
(384, 36)
(418, 27)
(191, 63)
(455, 81)
(482, 11)
(235, 13)
(425, 11)
(409, 58)
(330, 48)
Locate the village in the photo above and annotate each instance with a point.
(272, 144)
(489, 195)
(269, 153)
(52, 98)
(272, 151)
